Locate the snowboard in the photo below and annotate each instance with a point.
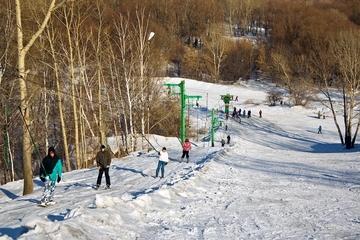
(47, 204)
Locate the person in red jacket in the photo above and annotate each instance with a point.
(186, 149)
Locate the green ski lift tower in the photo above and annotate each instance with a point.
(227, 98)
(183, 105)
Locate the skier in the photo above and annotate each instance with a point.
(163, 160)
(260, 113)
(222, 142)
(103, 160)
(228, 139)
(320, 130)
(186, 149)
(50, 172)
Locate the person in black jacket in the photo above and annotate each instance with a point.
(50, 172)
(103, 160)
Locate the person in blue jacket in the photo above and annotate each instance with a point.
(50, 173)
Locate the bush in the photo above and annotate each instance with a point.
(273, 97)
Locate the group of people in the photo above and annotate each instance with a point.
(239, 114)
(51, 169)
(51, 172)
(223, 141)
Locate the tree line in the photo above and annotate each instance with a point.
(73, 73)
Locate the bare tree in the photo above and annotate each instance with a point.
(126, 81)
(346, 50)
(23, 49)
(215, 46)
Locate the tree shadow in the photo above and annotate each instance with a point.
(131, 170)
(13, 233)
(9, 194)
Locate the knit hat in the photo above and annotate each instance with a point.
(51, 149)
(102, 146)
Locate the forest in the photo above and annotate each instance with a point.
(73, 73)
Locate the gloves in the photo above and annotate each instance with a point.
(59, 179)
(166, 163)
(42, 179)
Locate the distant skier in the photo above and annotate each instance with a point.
(50, 172)
(320, 130)
(222, 142)
(236, 98)
(103, 160)
(260, 113)
(228, 139)
(186, 149)
(226, 127)
(163, 160)
(249, 114)
(244, 113)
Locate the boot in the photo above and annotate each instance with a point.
(156, 175)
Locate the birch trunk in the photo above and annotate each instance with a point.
(25, 109)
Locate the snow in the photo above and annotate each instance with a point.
(277, 179)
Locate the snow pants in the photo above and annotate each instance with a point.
(185, 153)
(107, 177)
(49, 190)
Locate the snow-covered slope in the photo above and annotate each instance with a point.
(277, 179)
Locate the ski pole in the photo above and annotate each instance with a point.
(150, 143)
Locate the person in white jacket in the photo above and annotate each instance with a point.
(163, 160)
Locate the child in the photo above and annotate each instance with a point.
(163, 160)
(186, 149)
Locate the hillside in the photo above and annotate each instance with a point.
(277, 179)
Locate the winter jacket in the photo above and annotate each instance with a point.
(51, 166)
(186, 146)
(164, 156)
(103, 158)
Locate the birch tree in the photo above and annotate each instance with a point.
(123, 42)
(23, 49)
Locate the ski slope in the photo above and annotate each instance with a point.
(277, 179)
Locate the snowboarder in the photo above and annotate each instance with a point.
(186, 149)
(50, 172)
(260, 113)
(228, 139)
(103, 160)
(320, 130)
(222, 142)
(163, 160)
